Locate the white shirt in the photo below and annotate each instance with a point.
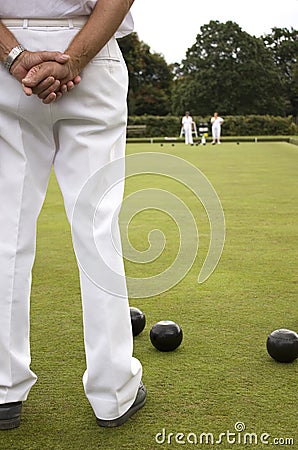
(187, 121)
(47, 9)
(216, 122)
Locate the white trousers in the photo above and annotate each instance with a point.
(216, 131)
(188, 134)
(77, 135)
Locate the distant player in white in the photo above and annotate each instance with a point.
(187, 124)
(216, 122)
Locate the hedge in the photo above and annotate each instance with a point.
(251, 125)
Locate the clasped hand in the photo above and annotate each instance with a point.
(48, 75)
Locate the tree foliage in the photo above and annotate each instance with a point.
(150, 78)
(226, 69)
(283, 45)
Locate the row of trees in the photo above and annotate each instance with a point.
(226, 69)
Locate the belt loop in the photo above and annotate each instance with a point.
(70, 23)
(25, 23)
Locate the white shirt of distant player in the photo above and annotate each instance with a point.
(56, 9)
(187, 122)
(216, 121)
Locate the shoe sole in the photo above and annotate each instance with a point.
(9, 424)
(10, 415)
(121, 420)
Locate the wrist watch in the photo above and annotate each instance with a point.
(13, 55)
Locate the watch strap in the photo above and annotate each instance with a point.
(13, 55)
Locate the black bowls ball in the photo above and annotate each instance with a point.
(282, 345)
(166, 335)
(138, 320)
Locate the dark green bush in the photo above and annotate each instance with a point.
(252, 125)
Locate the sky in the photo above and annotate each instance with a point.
(170, 27)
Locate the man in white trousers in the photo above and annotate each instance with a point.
(216, 123)
(77, 132)
(187, 124)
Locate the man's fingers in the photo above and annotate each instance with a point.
(63, 89)
(50, 98)
(77, 79)
(27, 90)
(45, 92)
(43, 85)
(70, 85)
(62, 58)
(36, 75)
(59, 57)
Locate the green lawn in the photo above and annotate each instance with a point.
(221, 374)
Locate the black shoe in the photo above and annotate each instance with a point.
(138, 404)
(10, 415)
